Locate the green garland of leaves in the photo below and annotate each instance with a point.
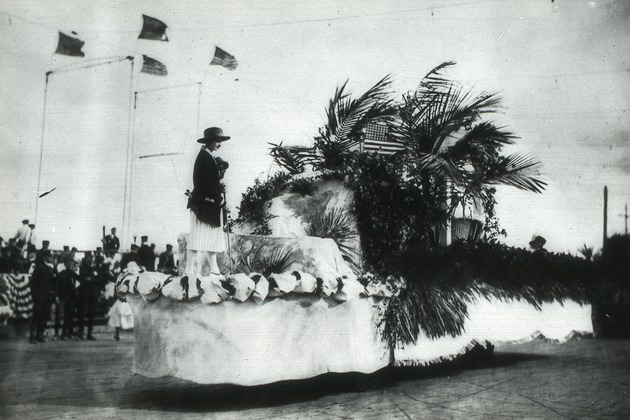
(442, 282)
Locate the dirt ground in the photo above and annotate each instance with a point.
(538, 380)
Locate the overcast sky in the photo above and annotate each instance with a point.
(560, 66)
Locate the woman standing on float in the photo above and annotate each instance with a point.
(206, 204)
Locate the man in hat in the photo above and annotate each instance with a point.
(89, 293)
(42, 293)
(32, 239)
(131, 256)
(39, 255)
(23, 234)
(206, 205)
(65, 288)
(166, 263)
(146, 255)
(111, 243)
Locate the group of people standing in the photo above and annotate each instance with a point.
(17, 254)
(72, 292)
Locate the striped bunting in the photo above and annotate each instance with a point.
(19, 294)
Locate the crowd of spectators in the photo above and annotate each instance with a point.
(69, 284)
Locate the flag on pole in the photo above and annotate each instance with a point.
(153, 29)
(69, 46)
(152, 66)
(222, 58)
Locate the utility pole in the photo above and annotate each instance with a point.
(605, 214)
(625, 216)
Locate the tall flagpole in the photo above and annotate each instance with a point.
(132, 158)
(125, 222)
(41, 148)
(131, 153)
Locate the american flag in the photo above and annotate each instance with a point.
(377, 140)
(152, 66)
(222, 58)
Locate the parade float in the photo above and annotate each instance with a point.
(374, 247)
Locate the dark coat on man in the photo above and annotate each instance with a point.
(111, 245)
(91, 283)
(167, 263)
(206, 199)
(127, 258)
(66, 285)
(146, 257)
(42, 282)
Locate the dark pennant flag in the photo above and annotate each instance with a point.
(153, 29)
(69, 46)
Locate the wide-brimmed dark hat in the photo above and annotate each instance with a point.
(213, 134)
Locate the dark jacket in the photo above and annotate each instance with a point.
(206, 199)
(65, 285)
(167, 262)
(91, 284)
(42, 283)
(146, 257)
(127, 258)
(111, 244)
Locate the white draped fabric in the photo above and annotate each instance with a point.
(496, 321)
(249, 344)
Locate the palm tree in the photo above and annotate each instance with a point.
(449, 143)
(345, 121)
(587, 252)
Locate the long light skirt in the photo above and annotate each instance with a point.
(205, 237)
(120, 315)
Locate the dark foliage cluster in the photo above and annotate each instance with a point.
(443, 281)
(611, 292)
(392, 214)
(303, 186)
(256, 200)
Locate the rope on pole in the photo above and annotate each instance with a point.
(124, 234)
(41, 149)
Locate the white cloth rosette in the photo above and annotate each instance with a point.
(349, 289)
(194, 287)
(150, 284)
(327, 284)
(173, 288)
(243, 285)
(128, 279)
(262, 287)
(281, 284)
(212, 289)
(306, 283)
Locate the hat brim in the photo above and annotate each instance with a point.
(218, 139)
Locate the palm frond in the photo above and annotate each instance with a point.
(260, 257)
(335, 224)
(292, 158)
(344, 114)
(517, 170)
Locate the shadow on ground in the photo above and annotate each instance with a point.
(190, 397)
